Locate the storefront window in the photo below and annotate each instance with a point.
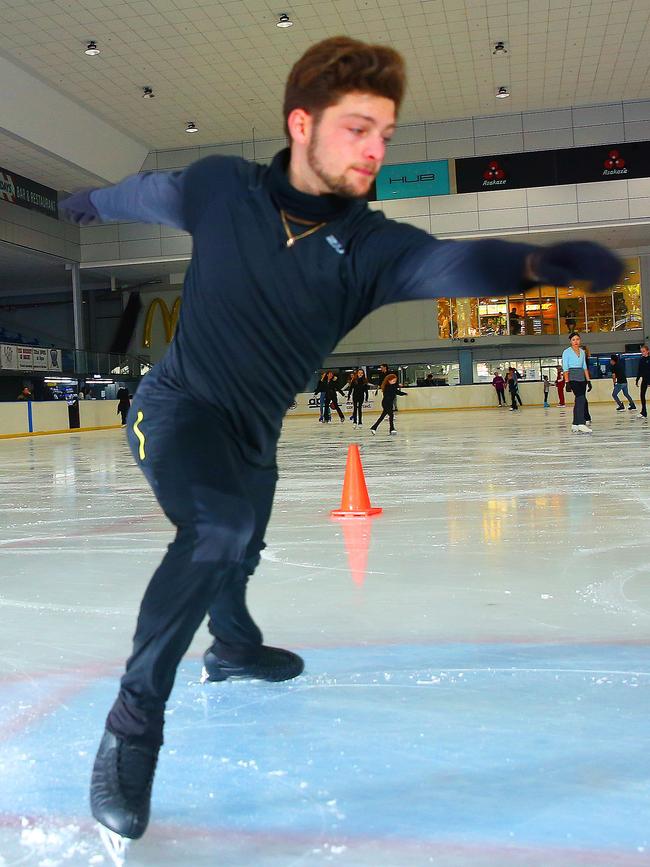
(444, 319)
(571, 300)
(465, 317)
(548, 309)
(627, 298)
(424, 375)
(492, 316)
(600, 313)
(516, 315)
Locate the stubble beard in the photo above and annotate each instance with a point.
(338, 186)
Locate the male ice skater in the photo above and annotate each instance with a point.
(286, 260)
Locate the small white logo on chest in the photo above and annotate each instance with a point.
(335, 244)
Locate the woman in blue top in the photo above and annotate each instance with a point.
(576, 377)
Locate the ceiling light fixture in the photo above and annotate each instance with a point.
(500, 48)
(191, 127)
(502, 93)
(147, 93)
(92, 50)
(284, 21)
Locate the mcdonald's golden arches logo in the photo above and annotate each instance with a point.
(169, 318)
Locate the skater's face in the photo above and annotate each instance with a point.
(341, 151)
(392, 380)
(645, 351)
(575, 341)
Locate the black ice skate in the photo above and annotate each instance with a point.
(120, 791)
(271, 663)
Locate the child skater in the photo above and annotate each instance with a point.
(390, 391)
(358, 388)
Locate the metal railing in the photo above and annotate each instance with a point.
(84, 362)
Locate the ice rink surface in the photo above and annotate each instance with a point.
(480, 697)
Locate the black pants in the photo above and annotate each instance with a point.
(513, 399)
(386, 411)
(357, 406)
(335, 405)
(220, 504)
(579, 390)
(123, 411)
(644, 386)
(501, 396)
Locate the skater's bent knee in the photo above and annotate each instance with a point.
(224, 526)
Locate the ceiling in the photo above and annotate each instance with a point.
(222, 63)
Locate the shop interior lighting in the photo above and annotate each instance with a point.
(284, 21)
(502, 93)
(60, 379)
(92, 50)
(191, 127)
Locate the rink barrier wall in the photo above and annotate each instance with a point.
(51, 417)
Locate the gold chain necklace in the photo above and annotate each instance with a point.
(291, 238)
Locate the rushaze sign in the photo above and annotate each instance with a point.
(548, 168)
(28, 194)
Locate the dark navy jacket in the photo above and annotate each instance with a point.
(255, 310)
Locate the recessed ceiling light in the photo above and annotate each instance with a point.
(284, 20)
(500, 48)
(92, 50)
(191, 127)
(147, 93)
(502, 93)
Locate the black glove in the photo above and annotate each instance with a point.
(561, 264)
(567, 387)
(588, 385)
(79, 209)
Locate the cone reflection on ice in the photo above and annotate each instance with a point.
(356, 536)
(355, 502)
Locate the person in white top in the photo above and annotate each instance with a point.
(577, 380)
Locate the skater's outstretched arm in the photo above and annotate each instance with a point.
(398, 262)
(149, 197)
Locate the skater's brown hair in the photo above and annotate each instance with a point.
(335, 67)
(390, 377)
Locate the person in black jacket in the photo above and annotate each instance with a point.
(287, 258)
(321, 391)
(359, 390)
(390, 391)
(619, 378)
(124, 403)
(332, 391)
(643, 374)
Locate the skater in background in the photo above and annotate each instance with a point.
(515, 377)
(643, 374)
(286, 260)
(123, 403)
(589, 386)
(332, 391)
(511, 382)
(499, 384)
(321, 391)
(576, 380)
(559, 382)
(358, 390)
(390, 390)
(617, 367)
(547, 388)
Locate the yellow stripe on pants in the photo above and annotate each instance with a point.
(139, 434)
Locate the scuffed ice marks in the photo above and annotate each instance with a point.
(49, 845)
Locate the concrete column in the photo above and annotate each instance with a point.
(77, 307)
(465, 358)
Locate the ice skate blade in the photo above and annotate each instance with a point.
(116, 845)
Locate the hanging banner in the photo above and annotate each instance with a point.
(506, 172)
(25, 357)
(603, 163)
(412, 180)
(28, 194)
(8, 357)
(13, 357)
(54, 360)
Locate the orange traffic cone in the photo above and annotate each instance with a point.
(355, 502)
